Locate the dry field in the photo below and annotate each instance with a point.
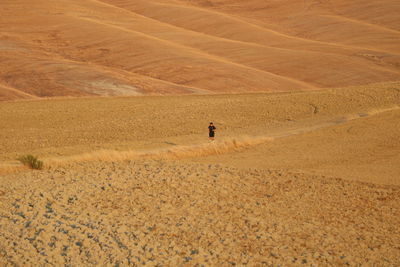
(115, 97)
(121, 47)
(296, 178)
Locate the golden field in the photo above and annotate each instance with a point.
(115, 96)
(297, 178)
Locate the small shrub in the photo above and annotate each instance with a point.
(32, 162)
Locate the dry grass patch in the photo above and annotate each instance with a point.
(31, 161)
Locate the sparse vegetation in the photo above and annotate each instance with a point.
(32, 162)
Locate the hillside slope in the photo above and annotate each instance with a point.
(121, 47)
(292, 179)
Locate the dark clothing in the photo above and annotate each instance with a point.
(211, 131)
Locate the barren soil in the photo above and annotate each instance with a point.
(298, 178)
(115, 97)
(120, 47)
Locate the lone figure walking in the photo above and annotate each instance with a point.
(211, 131)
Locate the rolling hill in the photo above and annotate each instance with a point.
(119, 47)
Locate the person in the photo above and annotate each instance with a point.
(211, 131)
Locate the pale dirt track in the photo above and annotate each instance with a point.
(64, 127)
(307, 178)
(362, 147)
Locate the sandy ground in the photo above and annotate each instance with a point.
(121, 47)
(305, 178)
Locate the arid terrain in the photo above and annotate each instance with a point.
(121, 47)
(294, 178)
(115, 97)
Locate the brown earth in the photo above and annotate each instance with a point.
(295, 178)
(301, 175)
(120, 47)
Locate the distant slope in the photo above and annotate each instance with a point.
(374, 24)
(8, 93)
(121, 47)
